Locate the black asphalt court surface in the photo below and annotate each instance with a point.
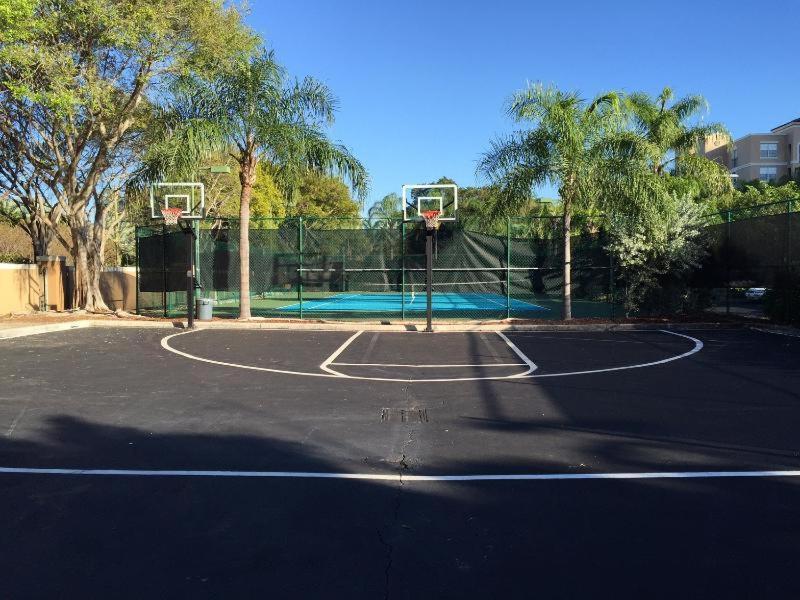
(335, 464)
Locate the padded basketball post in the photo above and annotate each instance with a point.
(188, 232)
(429, 277)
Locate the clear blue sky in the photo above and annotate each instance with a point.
(422, 84)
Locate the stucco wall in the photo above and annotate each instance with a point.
(20, 288)
(118, 285)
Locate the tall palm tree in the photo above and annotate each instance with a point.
(566, 146)
(256, 114)
(671, 129)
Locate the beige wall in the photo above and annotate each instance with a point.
(714, 142)
(748, 152)
(21, 287)
(749, 161)
(54, 268)
(793, 138)
(118, 285)
(750, 148)
(720, 155)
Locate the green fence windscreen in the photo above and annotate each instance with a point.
(375, 269)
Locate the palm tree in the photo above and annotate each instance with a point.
(567, 146)
(671, 131)
(256, 114)
(385, 211)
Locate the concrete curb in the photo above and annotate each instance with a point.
(15, 332)
(463, 327)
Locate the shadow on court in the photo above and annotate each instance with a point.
(212, 537)
(118, 400)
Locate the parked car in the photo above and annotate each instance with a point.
(755, 293)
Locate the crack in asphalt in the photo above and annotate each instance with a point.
(402, 466)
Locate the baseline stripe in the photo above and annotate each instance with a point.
(393, 477)
(481, 365)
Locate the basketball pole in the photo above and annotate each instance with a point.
(188, 232)
(429, 277)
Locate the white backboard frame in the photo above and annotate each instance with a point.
(421, 199)
(408, 189)
(192, 193)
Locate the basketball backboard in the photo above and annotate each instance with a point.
(188, 196)
(419, 198)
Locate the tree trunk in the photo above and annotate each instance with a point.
(247, 177)
(41, 236)
(567, 224)
(87, 242)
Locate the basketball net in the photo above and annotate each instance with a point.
(171, 215)
(431, 219)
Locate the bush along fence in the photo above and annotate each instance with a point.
(375, 269)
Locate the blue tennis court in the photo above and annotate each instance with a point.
(441, 301)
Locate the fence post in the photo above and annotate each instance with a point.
(300, 263)
(403, 270)
(728, 263)
(508, 267)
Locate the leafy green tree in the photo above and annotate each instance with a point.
(319, 196)
(253, 111)
(224, 190)
(568, 145)
(268, 201)
(757, 193)
(77, 79)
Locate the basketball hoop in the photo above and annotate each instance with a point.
(431, 219)
(171, 215)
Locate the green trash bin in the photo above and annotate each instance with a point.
(205, 309)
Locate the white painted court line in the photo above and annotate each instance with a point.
(698, 345)
(531, 366)
(336, 353)
(166, 346)
(533, 334)
(325, 366)
(311, 304)
(393, 477)
(344, 364)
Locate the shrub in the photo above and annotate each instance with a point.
(655, 252)
(782, 302)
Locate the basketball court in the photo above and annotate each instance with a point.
(374, 464)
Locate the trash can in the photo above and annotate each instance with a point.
(205, 309)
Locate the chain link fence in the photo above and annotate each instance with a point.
(375, 269)
(349, 269)
(752, 268)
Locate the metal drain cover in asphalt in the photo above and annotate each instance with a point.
(404, 415)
